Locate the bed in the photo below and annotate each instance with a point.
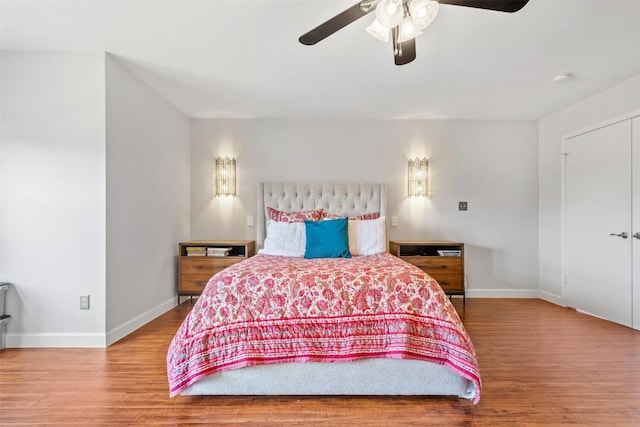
(284, 324)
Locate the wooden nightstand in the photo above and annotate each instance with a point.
(448, 270)
(195, 271)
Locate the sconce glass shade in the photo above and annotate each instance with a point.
(419, 177)
(225, 176)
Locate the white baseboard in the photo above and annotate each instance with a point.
(56, 340)
(104, 340)
(552, 298)
(83, 340)
(126, 328)
(502, 293)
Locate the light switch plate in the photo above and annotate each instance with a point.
(84, 302)
(394, 221)
(250, 221)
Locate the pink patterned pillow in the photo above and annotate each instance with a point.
(280, 216)
(367, 216)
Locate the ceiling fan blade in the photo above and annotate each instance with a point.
(499, 5)
(334, 24)
(404, 52)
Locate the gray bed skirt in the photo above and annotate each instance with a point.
(365, 377)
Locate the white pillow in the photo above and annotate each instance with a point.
(367, 237)
(285, 239)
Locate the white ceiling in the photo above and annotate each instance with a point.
(242, 58)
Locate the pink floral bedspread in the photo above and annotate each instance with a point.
(270, 309)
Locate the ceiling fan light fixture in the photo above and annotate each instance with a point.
(408, 30)
(390, 13)
(423, 12)
(379, 31)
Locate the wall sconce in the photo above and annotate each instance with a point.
(419, 177)
(225, 176)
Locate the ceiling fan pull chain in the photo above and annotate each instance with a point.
(395, 41)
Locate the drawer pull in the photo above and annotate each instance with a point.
(439, 266)
(444, 283)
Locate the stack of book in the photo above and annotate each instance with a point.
(448, 252)
(218, 251)
(196, 251)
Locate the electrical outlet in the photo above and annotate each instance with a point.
(84, 302)
(249, 221)
(462, 206)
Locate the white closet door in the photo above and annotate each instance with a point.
(598, 266)
(635, 129)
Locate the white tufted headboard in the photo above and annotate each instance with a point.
(339, 198)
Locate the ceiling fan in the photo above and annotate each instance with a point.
(404, 20)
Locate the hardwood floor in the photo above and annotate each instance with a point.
(541, 365)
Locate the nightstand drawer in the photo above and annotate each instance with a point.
(446, 270)
(195, 282)
(448, 281)
(205, 265)
(449, 264)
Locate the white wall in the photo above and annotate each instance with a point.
(608, 104)
(52, 173)
(491, 165)
(148, 200)
(94, 196)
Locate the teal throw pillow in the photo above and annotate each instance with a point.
(327, 239)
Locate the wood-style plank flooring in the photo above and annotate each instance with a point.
(541, 365)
